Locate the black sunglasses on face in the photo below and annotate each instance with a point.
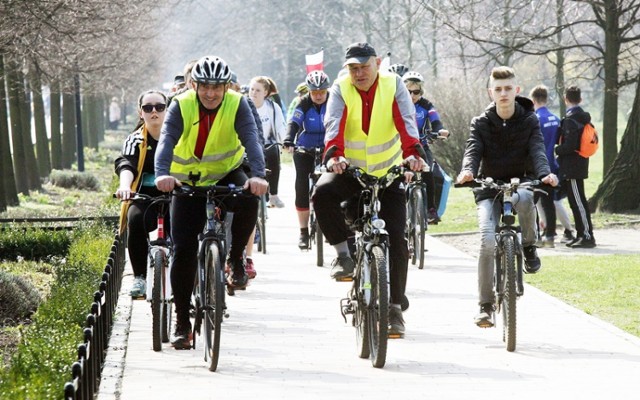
(415, 92)
(149, 107)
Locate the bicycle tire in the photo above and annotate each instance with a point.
(159, 258)
(362, 330)
(419, 226)
(261, 225)
(166, 304)
(213, 304)
(509, 293)
(319, 245)
(378, 309)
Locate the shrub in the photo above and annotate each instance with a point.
(19, 299)
(42, 363)
(33, 243)
(74, 179)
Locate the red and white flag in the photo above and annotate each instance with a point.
(315, 61)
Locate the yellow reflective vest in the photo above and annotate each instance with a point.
(381, 148)
(223, 151)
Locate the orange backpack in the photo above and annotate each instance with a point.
(588, 141)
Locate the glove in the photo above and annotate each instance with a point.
(287, 143)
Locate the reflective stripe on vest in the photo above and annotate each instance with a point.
(223, 151)
(377, 151)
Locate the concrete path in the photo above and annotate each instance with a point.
(285, 339)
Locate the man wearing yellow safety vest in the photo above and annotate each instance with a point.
(207, 131)
(370, 121)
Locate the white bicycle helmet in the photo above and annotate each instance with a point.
(211, 70)
(317, 80)
(412, 76)
(398, 69)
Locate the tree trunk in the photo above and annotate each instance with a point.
(610, 112)
(56, 137)
(68, 129)
(619, 190)
(100, 119)
(31, 165)
(9, 195)
(14, 87)
(42, 140)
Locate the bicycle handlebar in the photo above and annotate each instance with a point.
(203, 191)
(489, 183)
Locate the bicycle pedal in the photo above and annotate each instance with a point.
(345, 279)
(395, 335)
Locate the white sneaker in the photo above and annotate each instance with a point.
(274, 201)
(139, 288)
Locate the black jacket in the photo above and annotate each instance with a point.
(505, 149)
(572, 165)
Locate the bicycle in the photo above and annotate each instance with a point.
(209, 290)
(315, 233)
(158, 271)
(368, 299)
(508, 282)
(417, 221)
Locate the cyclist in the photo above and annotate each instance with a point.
(207, 131)
(399, 69)
(134, 167)
(505, 142)
(306, 130)
(371, 121)
(428, 121)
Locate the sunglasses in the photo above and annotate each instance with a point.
(415, 92)
(149, 107)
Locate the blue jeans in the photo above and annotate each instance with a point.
(489, 212)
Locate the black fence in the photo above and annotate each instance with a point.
(86, 372)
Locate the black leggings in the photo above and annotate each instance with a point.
(139, 225)
(188, 216)
(305, 164)
(272, 163)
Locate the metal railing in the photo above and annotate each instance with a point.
(86, 371)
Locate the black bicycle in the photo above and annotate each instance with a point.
(368, 299)
(417, 225)
(158, 264)
(315, 233)
(508, 282)
(209, 290)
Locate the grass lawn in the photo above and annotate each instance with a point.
(603, 286)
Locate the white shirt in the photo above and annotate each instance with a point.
(272, 130)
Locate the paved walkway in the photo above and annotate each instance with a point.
(285, 339)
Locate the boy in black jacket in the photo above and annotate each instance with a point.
(574, 168)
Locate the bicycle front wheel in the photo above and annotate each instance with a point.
(261, 225)
(159, 261)
(419, 226)
(319, 238)
(213, 304)
(509, 291)
(377, 311)
(166, 303)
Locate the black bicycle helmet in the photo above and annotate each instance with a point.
(398, 69)
(211, 70)
(317, 80)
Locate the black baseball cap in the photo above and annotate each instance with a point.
(178, 79)
(359, 53)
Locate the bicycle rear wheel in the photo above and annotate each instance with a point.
(509, 293)
(213, 304)
(377, 310)
(159, 260)
(419, 224)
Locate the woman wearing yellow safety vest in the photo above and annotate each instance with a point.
(207, 131)
(371, 120)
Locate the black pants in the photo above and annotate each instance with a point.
(549, 208)
(272, 163)
(188, 220)
(332, 189)
(574, 188)
(141, 219)
(305, 165)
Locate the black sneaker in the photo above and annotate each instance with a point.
(238, 277)
(567, 237)
(432, 217)
(583, 243)
(303, 241)
(182, 336)
(531, 260)
(396, 323)
(485, 318)
(342, 268)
